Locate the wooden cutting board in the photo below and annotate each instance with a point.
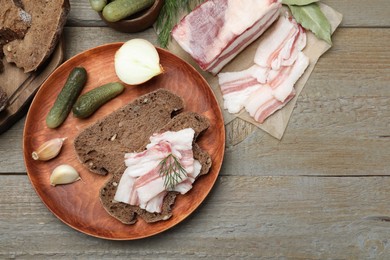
(21, 87)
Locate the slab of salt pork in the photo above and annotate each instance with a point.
(217, 30)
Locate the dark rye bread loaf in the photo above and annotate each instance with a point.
(47, 21)
(14, 23)
(126, 213)
(101, 147)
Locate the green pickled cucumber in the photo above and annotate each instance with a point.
(121, 9)
(98, 5)
(67, 97)
(89, 102)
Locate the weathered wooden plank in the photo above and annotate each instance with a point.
(11, 149)
(92, 37)
(360, 13)
(357, 13)
(244, 217)
(81, 14)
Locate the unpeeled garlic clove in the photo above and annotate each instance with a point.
(48, 150)
(64, 174)
(137, 61)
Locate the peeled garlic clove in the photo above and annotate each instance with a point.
(48, 150)
(137, 61)
(64, 174)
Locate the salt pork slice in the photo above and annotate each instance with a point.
(142, 184)
(268, 85)
(282, 44)
(217, 30)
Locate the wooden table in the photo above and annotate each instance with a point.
(323, 191)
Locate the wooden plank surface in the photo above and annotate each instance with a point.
(244, 217)
(321, 192)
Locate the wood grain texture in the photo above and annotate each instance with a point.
(244, 218)
(81, 14)
(93, 37)
(357, 13)
(340, 128)
(11, 150)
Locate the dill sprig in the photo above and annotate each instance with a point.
(168, 17)
(172, 170)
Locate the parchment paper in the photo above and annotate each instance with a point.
(276, 124)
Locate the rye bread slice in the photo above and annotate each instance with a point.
(101, 146)
(126, 213)
(47, 22)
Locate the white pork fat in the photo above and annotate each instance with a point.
(142, 184)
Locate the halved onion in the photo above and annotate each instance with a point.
(137, 61)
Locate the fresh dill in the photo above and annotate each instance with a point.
(169, 16)
(172, 170)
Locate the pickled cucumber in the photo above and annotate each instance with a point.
(98, 5)
(121, 9)
(89, 102)
(66, 98)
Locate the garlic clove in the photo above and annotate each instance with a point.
(64, 174)
(48, 150)
(137, 61)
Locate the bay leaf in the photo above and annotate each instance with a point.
(312, 18)
(298, 2)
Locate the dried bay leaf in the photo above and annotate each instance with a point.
(312, 18)
(298, 2)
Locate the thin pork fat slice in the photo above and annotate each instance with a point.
(217, 30)
(288, 80)
(282, 44)
(268, 85)
(277, 93)
(261, 106)
(142, 185)
(237, 86)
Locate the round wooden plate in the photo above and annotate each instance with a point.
(78, 204)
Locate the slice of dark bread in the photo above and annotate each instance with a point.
(101, 146)
(47, 21)
(126, 213)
